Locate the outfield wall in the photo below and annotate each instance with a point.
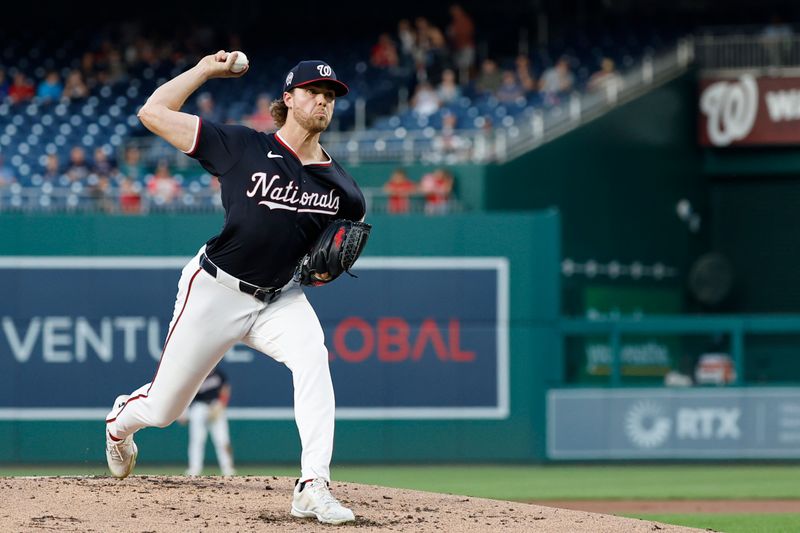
(446, 337)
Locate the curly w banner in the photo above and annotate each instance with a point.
(749, 111)
(409, 338)
(735, 423)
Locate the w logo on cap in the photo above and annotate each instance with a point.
(311, 71)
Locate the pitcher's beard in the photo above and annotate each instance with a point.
(311, 123)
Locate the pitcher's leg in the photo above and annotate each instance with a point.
(289, 332)
(314, 409)
(210, 320)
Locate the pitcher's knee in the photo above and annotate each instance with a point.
(161, 417)
(315, 355)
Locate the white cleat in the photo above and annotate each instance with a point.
(313, 499)
(120, 454)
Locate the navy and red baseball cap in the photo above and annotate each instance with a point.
(311, 71)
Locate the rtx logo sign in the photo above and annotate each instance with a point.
(708, 423)
(651, 424)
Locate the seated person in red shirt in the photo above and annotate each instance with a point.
(399, 188)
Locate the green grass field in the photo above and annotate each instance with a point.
(731, 523)
(525, 483)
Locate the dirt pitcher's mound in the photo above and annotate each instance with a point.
(177, 504)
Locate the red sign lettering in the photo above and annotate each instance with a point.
(454, 334)
(428, 332)
(395, 343)
(367, 342)
(393, 334)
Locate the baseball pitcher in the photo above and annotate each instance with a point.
(283, 195)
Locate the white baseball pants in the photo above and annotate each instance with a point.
(205, 418)
(208, 319)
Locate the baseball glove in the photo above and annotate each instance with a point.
(335, 252)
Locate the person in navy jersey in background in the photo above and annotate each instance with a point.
(279, 192)
(207, 414)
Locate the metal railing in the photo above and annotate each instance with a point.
(734, 326)
(747, 51)
(426, 145)
(194, 199)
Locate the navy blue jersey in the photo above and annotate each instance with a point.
(275, 207)
(211, 387)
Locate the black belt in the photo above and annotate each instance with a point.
(264, 294)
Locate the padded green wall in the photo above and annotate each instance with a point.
(530, 241)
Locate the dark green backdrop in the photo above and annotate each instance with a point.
(530, 241)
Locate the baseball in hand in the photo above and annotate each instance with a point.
(240, 64)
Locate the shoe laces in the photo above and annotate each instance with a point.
(324, 493)
(114, 450)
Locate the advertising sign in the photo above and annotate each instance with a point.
(702, 423)
(749, 111)
(409, 338)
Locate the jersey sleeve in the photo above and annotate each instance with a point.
(217, 147)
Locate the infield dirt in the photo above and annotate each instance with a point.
(177, 504)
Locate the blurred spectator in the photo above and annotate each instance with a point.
(384, 53)
(132, 167)
(425, 101)
(7, 174)
(448, 91)
(163, 188)
(510, 90)
(462, 39)
(408, 41)
(399, 188)
(448, 143)
(50, 88)
(77, 168)
(437, 58)
(606, 79)
(130, 198)
(101, 194)
(489, 79)
(3, 85)
(556, 81)
(436, 186)
(430, 51)
(525, 73)
(88, 70)
(421, 43)
(777, 37)
(207, 109)
(261, 119)
(21, 89)
(483, 144)
(777, 29)
(75, 88)
(104, 166)
(117, 71)
(52, 169)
